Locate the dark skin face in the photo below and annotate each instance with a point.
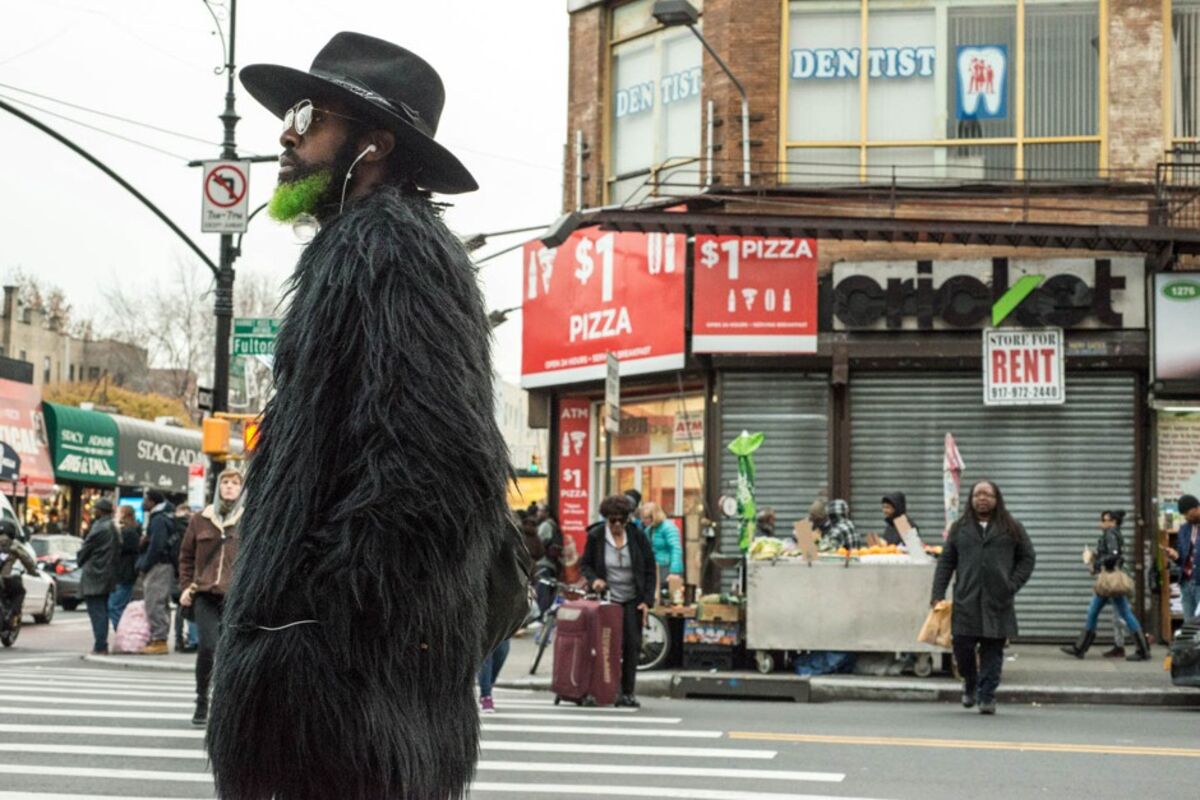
(983, 501)
(327, 138)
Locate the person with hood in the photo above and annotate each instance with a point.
(841, 531)
(126, 570)
(98, 559)
(157, 568)
(206, 559)
(989, 556)
(894, 505)
(1109, 556)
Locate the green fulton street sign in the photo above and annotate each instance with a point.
(83, 444)
(254, 336)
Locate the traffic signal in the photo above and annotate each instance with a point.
(250, 435)
(215, 436)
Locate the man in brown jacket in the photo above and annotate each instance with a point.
(206, 558)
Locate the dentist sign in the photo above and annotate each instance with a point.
(602, 292)
(982, 76)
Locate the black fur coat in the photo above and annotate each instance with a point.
(376, 506)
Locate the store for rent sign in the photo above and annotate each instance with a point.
(754, 294)
(602, 292)
(1023, 367)
(574, 461)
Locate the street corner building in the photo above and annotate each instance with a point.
(865, 228)
(362, 604)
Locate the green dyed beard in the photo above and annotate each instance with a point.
(294, 198)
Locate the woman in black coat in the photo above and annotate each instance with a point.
(991, 557)
(618, 557)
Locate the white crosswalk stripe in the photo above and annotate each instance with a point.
(126, 733)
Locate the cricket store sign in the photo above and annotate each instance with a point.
(948, 295)
(602, 292)
(574, 473)
(1023, 367)
(754, 295)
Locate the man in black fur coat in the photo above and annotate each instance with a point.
(378, 564)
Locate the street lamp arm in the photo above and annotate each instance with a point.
(720, 62)
(46, 129)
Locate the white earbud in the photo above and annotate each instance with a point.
(350, 172)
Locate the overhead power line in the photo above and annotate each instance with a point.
(106, 114)
(105, 131)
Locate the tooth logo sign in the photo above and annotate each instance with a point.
(982, 81)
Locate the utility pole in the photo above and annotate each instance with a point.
(223, 304)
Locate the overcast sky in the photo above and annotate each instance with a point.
(504, 66)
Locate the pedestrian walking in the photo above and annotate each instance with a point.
(666, 543)
(1109, 557)
(989, 556)
(488, 673)
(1188, 557)
(156, 566)
(618, 559)
(207, 557)
(187, 635)
(130, 533)
(98, 559)
(377, 565)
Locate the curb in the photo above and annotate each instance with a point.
(151, 663)
(827, 689)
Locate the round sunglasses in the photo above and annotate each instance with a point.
(301, 116)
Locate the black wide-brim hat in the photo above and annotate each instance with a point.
(381, 83)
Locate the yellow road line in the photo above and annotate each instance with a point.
(970, 744)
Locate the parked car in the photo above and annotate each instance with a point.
(40, 589)
(56, 554)
(1185, 656)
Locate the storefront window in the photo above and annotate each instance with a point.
(659, 452)
(654, 108)
(941, 80)
(664, 426)
(1185, 71)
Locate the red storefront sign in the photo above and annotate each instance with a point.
(574, 465)
(23, 429)
(602, 292)
(754, 294)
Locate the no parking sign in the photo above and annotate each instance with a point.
(225, 197)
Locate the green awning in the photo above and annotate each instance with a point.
(83, 444)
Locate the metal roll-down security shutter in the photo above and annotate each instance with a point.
(1058, 467)
(792, 466)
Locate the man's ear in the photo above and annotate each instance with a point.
(383, 141)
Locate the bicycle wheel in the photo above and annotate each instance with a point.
(656, 643)
(546, 633)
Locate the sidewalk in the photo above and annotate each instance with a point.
(1032, 674)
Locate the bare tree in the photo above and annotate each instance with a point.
(174, 320)
(39, 295)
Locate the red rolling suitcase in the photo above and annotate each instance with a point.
(587, 653)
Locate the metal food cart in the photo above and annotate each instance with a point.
(832, 605)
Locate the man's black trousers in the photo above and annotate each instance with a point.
(980, 680)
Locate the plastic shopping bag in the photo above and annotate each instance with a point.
(133, 632)
(936, 630)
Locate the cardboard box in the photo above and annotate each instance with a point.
(725, 634)
(719, 612)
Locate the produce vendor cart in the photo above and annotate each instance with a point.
(834, 605)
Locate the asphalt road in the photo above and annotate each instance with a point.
(74, 729)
